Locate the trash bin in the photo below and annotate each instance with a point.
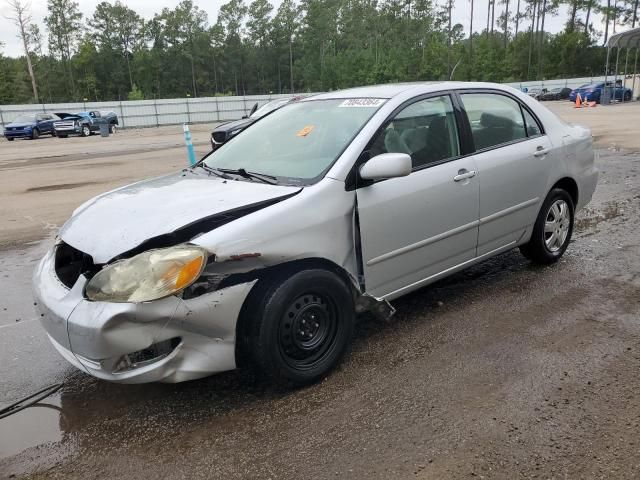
(605, 96)
(104, 129)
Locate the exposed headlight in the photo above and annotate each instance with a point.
(148, 276)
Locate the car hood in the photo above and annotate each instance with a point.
(163, 211)
(229, 126)
(71, 117)
(20, 125)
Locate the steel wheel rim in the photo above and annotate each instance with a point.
(308, 329)
(85, 131)
(556, 226)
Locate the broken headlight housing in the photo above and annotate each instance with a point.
(148, 276)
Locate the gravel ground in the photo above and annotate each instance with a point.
(505, 370)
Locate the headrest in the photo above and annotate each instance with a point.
(493, 120)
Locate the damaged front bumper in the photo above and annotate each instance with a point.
(167, 340)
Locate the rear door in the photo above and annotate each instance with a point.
(415, 227)
(513, 157)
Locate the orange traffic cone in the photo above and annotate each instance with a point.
(578, 101)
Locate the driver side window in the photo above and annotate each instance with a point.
(426, 130)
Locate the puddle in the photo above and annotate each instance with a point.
(31, 427)
(16, 268)
(609, 211)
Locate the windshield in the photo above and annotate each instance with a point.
(297, 142)
(25, 119)
(269, 107)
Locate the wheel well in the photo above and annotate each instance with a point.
(570, 186)
(271, 274)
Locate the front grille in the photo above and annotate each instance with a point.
(70, 263)
(219, 137)
(64, 125)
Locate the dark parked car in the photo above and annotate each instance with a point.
(226, 131)
(84, 123)
(593, 92)
(30, 126)
(558, 93)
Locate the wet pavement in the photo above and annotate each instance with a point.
(505, 370)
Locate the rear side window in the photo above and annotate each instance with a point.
(533, 128)
(495, 119)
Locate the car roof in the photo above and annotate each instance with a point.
(393, 89)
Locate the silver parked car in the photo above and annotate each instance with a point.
(264, 252)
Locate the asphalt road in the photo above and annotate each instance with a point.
(505, 370)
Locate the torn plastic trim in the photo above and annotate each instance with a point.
(200, 226)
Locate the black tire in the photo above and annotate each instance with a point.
(85, 131)
(60, 135)
(538, 249)
(10, 139)
(53, 133)
(35, 133)
(627, 96)
(299, 326)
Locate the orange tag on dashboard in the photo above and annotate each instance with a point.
(305, 131)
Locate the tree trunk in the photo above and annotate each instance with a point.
(291, 64)
(488, 16)
(126, 56)
(533, 21)
(517, 19)
(506, 23)
(544, 12)
(470, 43)
(572, 18)
(32, 75)
(606, 27)
(493, 14)
(586, 21)
(449, 40)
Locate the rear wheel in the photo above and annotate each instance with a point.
(53, 133)
(112, 128)
(35, 133)
(627, 96)
(302, 326)
(10, 139)
(553, 228)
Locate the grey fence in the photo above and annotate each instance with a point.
(153, 113)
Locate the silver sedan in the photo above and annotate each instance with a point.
(264, 252)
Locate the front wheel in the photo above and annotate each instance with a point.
(10, 139)
(35, 133)
(302, 326)
(85, 131)
(112, 128)
(552, 230)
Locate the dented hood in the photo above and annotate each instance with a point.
(168, 208)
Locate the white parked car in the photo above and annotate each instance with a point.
(263, 253)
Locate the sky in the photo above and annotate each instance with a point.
(146, 8)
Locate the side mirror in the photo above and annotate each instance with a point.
(386, 165)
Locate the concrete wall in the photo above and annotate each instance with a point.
(152, 113)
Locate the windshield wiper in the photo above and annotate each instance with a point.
(215, 171)
(270, 179)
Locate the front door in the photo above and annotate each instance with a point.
(414, 227)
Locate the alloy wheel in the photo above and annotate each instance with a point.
(557, 224)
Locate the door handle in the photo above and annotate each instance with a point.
(540, 151)
(464, 174)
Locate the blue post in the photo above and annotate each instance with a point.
(187, 139)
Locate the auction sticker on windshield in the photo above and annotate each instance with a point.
(362, 102)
